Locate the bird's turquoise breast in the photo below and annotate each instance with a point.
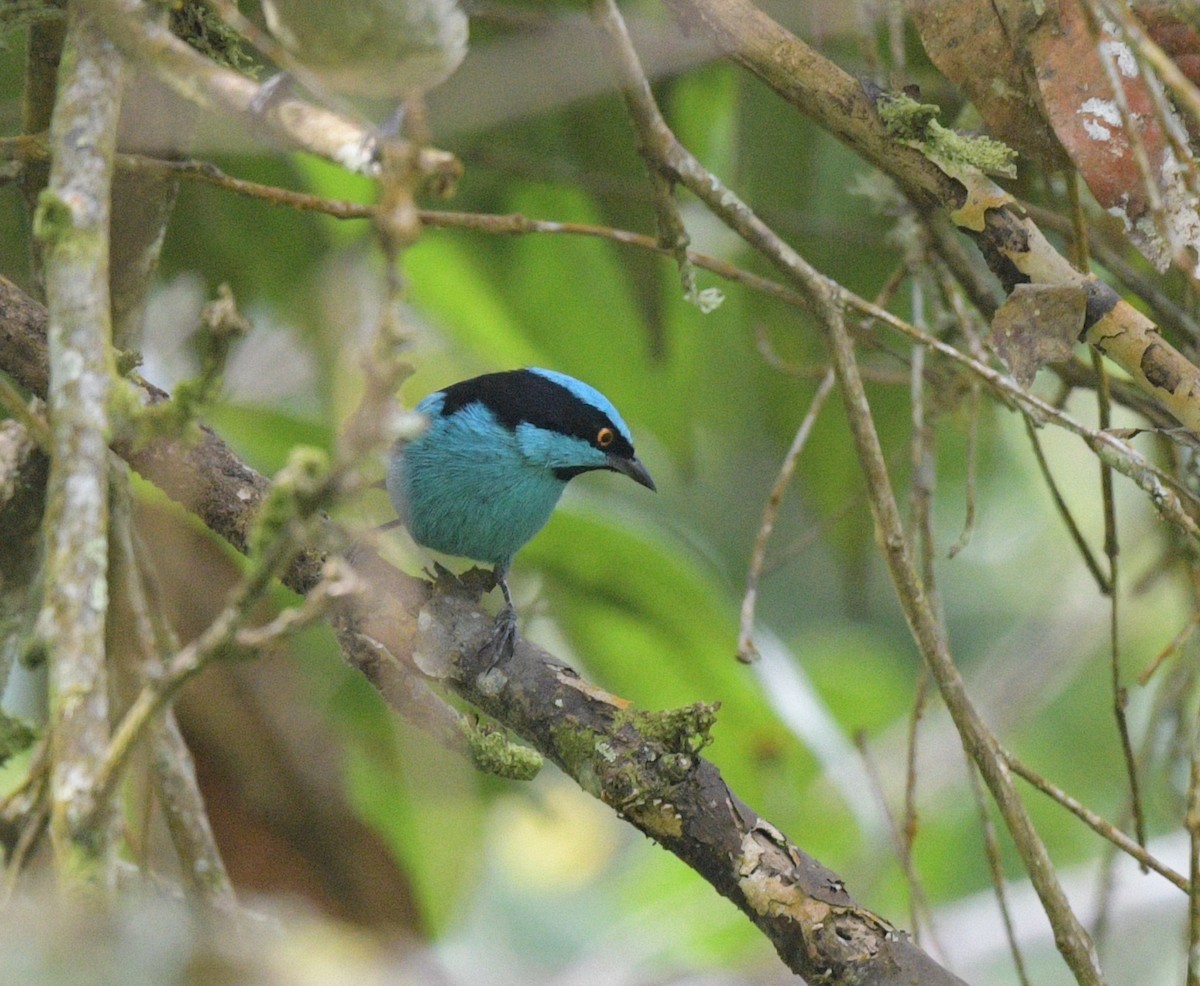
(466, 488)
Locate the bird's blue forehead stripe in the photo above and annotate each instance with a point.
(431, 405)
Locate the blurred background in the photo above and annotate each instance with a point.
(327, 807)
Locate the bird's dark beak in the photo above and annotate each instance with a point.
(632, 468)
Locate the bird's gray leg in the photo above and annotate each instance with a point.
(393, 126)
(504, 633)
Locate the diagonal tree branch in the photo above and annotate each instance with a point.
(827, 301)
(132, 27)
(643, 765)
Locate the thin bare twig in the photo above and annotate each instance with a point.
(920, 703)
(1192, 823)
(1111, 543)
(991, 848)
(1097, 824)
(1111, 550)
(1177, 642)
(968, 528)
(171, 768)
(1064, 511)
(747, 652)
(924, 478)
(921, 914)
(639, 102)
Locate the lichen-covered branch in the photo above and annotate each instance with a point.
(646, 766)
(72, 224)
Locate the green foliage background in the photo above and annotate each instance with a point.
(642, 592)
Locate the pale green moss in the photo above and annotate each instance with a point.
(53, 220)
(494, 753)
(202, 28)
(916, 125)
(683, 730)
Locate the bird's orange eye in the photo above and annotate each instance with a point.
(604, 437)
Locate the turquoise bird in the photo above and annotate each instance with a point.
(487, 472)
(376, 49)
(373, 48)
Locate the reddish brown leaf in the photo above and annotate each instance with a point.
(961, 37)
(1176, 37)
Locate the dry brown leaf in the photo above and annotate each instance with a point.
(1039, 324)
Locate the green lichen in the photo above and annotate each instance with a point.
(494, 753)
(916, 125)
(684, 730)
(53, 220)
(575, 744)
(587, 755)
(127, 360)
(641, 783)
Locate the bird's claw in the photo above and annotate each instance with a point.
(502, 642)
(271, 93)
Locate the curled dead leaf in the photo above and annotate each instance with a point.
(1038, 324)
